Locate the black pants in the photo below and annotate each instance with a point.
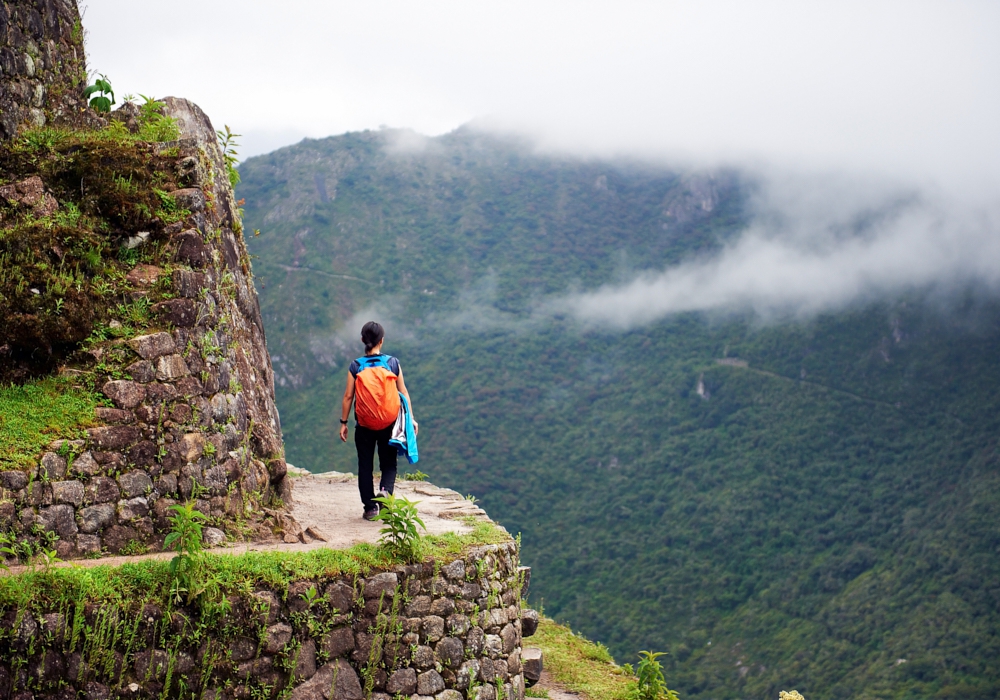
(366, 439)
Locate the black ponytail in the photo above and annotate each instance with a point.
(371, 335)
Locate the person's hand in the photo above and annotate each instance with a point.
(416, 428)
(343, 432)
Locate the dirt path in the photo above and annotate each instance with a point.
(555, 690)
(330, 506)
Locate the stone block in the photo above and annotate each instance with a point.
(449, 694)
(384, 584)
(143, 275)
(429, 683)
(170, 367)
(243, 649)
(153, 346)
(158, 393)
(454, 570)
(334, 681)
(88, 544)
(141, 371)
(402, 682)
(132, 508)
(508, 635)
(114, 416)
(340, 597)
(68, 492)
(531, 664)
(468, 672)
(450, 652)
(213, 536)
(487, 672)
(13, 480)
(494, 646)
(125, 393)
(443, 607)
(117, 536)
(529, 622)
(53, 466)
(191, 447)
(142, 454)
(182, 313)
(113, 438)
(514, 662)
(338, 642)
(101, 489)
(86, 465)
(278, 636)
(190, 198)
(189, 284)
(419, 606)
(433, 628)
(135, 483)
(458, 625)
(475, 641)
(59, 519)
(192, 250)
(188, 386)
(423, 657)
(93, 519)
(166, 485)
(305, 662)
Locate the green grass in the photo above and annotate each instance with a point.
(150, 579)
(36, 413)
(579, 664)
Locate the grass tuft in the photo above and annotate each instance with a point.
(36, 413)
(579, 664)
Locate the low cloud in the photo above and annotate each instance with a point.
(816, 244)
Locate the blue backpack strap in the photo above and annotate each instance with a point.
(372, 361)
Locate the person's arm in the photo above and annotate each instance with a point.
(401, 385)
(345, 408)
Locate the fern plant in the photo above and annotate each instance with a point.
(400, 535)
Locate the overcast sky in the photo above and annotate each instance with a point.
(905, 87)
(839, 108)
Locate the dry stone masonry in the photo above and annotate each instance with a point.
(435, 630)
(42, 66)
(195, 417)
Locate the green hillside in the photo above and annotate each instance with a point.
(824, 514)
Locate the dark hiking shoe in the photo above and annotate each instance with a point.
(370, 513)
(382, 494)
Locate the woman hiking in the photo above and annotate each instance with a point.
(374, 385)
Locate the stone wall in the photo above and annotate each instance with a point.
(42, 65)
(447, 631)
(193, 415)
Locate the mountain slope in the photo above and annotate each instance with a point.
(794, 505)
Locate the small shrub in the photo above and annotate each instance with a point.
(399, 536)
(100, 103)
(228, 144)
(649, 683)
(415, 476)
(185, 539)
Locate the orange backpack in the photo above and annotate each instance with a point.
(376, 398)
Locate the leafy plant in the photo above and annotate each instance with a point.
(185, 538)
(400, 535)
(228, 144)
(154, 125)
(414, 476)
(100, 103)
(650, 683)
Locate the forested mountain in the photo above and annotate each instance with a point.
(811, 504)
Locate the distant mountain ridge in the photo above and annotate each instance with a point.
(812, 504)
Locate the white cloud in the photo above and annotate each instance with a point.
(816, 244)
